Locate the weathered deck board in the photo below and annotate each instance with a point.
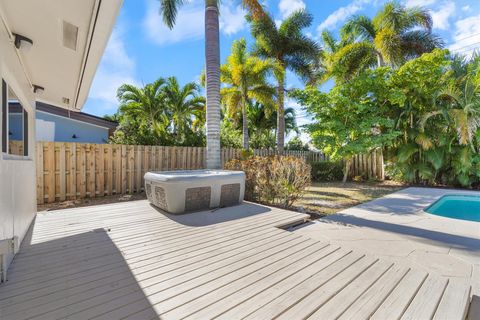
(128, 260)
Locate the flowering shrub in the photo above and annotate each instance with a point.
(278, 180)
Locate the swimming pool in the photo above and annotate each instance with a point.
(464, 207)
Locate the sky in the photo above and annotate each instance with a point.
(141, 48)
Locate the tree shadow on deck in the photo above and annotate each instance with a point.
(219, 215)
(81, 275)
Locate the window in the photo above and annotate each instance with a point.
(14, 123)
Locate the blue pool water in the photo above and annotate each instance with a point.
(457, 207)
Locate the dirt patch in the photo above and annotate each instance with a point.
(330, 197)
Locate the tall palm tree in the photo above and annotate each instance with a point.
(184, 104)
(146, 103)
(246, 79)
(291, 50)
(168, 10)
(394, 35)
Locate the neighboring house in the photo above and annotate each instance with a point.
(49, 52)
(62, 125)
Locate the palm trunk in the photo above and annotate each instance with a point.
(380, 61)
(281, 116)
(212, 56)
(245, 124)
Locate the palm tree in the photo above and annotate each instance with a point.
(290, 49)
(394, 35)
(168, 10)
(184, 105)
(146, 103)
(262, 120)
(460, 105)
(246, 79)
(342, 59)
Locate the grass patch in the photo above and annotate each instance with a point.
(329, 197)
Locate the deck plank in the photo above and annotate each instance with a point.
(454, 303)
(399, 299)
(367, 303)
(278, 305)
(230, 295)
(244, 308)
(348, 295)
(427, 299)
(321, 295)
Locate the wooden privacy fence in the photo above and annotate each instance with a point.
(68, 171)
(369, 166)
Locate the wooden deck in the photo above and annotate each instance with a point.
(129, 261)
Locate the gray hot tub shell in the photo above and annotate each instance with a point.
(194, 190)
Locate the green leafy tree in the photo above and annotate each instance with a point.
(349, 120)
(296, 144)
(290, 49)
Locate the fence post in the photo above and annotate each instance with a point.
(40, 173)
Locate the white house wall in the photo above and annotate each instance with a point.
(17, 173)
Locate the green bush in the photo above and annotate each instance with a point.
(274, 180)
(327, 171)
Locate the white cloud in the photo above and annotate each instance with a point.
(341, 14)
(419, 3)
(116, 68)
(286, 7)
(466, 37)
(466, 8)
(232, 18)
(189, 24)
(441, 16)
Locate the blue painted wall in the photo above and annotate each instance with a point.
(65, 128)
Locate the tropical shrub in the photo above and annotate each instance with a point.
(327, 170)
(274, 180)
(425, 115)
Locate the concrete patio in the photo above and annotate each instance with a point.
(131, 261)
(396, 228)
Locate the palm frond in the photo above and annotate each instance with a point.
(295, 22)
(169, 11)
(417, 42)
(358, 27)
(424, 141)
(418, 16)
(255, 8)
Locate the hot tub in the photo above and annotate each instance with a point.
(194, 190)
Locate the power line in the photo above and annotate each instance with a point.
(468, 37)
(466, 47)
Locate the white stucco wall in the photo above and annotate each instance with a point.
(17, 173)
